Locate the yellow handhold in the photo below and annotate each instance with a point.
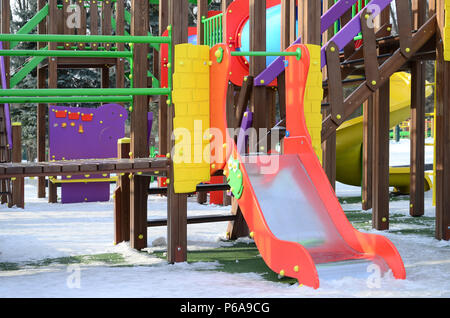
(130, 154)
(374, 83)
(383, 219)
(252, 234)
(167, 181)
(141, 236)
(282, 273)
(296, 268)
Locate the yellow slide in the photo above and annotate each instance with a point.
(349, 139)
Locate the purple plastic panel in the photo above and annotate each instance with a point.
(7, 115)
(352, 28)
(342, 38)
(242, 139)
(85, 133)
(334, 13)
(273, 70)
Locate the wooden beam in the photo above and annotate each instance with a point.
(258, 99)
(52, 76)
(442, 138)
(18, 185)
(380, 196)
(417, 123)
(329, 145)
(367, 154)
(202, 12)
(122, 198)
(41, 130)
(139, 126)
(176, 203)
(120, 30)
(309, 12)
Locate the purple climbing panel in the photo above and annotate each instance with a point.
(85, 133)
(242, 140)
(6, 108)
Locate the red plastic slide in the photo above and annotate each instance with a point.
(288, 203)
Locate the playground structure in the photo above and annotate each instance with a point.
(222, 85)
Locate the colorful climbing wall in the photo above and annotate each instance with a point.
(85, 133)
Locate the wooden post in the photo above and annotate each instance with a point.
(309, 13)
(122, 197)
(52, 77)
(139, 126)
(202, 12)
(417, 124)
(258, 99)
(18, 185)
(176, 203)
(442, 138)
(329, 145)
(380, 187)
(41, 108)
(284, 44)
(367, 154)
(120, 30)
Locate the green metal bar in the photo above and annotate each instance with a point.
(260, 53)
(83, 38)
(66, 53)
(25, 70)
(30, 25)
(70, 99)
(86, 48)
(83, 92)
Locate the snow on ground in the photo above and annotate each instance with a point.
(45, 231)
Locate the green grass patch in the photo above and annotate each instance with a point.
(104, 259)
(9, 266)
(237, 258)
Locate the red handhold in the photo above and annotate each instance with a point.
(60, 114)
(87, 117)
(74, 116)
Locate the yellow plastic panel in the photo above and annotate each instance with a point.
(191, 155)
(447, 31)
(313, 100)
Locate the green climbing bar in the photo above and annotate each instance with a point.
(83, 92)
(61, 53)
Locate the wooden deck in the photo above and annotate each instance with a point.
(82, 166)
